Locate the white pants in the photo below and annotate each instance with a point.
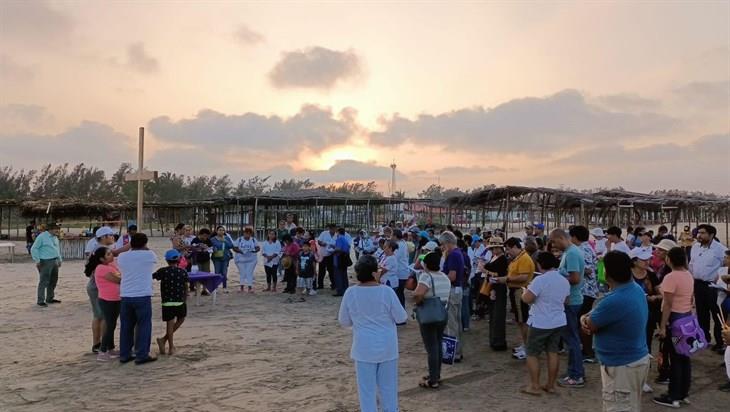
(727, 361)
(377, 379)
(245, 271)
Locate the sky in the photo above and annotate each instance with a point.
(462, 94)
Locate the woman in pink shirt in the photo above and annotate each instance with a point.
(107, 278)
(678, 290)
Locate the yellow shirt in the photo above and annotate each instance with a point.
(520, 265)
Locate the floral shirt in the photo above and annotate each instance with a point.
(590, 284)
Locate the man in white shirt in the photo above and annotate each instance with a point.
(290, 225)
(136, 266)
(124, 239)
(401, 255)
(326, 242)
(613, 234)
(706, 258)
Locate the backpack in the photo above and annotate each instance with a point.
(688, 337)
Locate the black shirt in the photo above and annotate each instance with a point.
(29, 234)
(172, 286)
(306, 265)
(200, 249)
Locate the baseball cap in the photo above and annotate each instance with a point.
(540, 226)
(597, 232)
(475, 239)
(172, 255)
(641, 253)
(103, 231)
(665, 244)
(430, 246)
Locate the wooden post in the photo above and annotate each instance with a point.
(140, 176)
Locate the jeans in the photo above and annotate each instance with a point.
(221, 268)
(271, 275)
(110, 309)
(341, 281)
(680, 368)
(326, 265)
(48, 279)
(498, 318)
(706, 303)
(135, 312)
(453, 326)
(433, 336)
(400, 291)
(465, 309)
(377, 378)
(571, 334)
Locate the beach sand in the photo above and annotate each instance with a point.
(256, 353)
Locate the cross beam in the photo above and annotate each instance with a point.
(140, 176)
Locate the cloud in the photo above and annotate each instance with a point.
(313, 127)
(315, 67)
(351, 170)
(246, 36)
(34, 23)
(706, 95)
(90, 142)
(547, 124)
(700, 163)
(138, 59)
(11, 71)
(16, 116)
(630, 102)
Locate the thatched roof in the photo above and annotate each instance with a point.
(521, 196)
(67, 207)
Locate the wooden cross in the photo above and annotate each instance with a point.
(140, 176)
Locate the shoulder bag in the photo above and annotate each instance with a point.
(431, 310)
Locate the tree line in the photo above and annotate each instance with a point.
(87, 182)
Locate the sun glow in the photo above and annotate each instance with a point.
(328, 158)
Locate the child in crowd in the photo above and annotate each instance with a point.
(379, 252)
(174, 291)
(305, 271)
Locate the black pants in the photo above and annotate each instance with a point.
(587, 340)
(110, 309)
(680, 372)
(498, 318)
(271, 274)
(663, 361)
(706, 303)
(326, 266)
(432, 335)
(652, 324)
(290, 277)
(400, 291)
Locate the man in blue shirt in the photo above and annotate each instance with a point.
(619, 325)
(572, 266)
(342, 258)
(46, 253)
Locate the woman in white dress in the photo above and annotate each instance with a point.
(246, 258)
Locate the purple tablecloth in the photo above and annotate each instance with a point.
(211, 281)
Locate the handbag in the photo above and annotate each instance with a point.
(431, 310)
(688, 337)
(486, 288)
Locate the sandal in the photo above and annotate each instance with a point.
(426, 378)
(428, 385)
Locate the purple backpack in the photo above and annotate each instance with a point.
(687, 336)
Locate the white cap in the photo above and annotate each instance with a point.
(598, 232)
(431, 246)
(104, 231)
(641, 253)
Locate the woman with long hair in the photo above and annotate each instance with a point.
(101, 265)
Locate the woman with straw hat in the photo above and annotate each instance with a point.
(494, 269)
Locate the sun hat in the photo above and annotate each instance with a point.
(598, 232)
(103, 231)
(430, 246)
(494, 242)
(172, 255)
(665, 244)
(640, 253)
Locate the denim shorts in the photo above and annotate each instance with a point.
(93, 293)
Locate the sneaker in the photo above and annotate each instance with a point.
(312, 292)
(662, 381)
(590, 360)
(95, 348)
(646, 388)
(520, 348)
(103, 357)
(114, 354)
(304, 291)
(43, 304)
(665, 400)
(520, 355)
(568, 382)
(685, 401)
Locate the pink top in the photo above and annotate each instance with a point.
(108, 290)
(681, 285)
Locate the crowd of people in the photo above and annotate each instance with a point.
(593, 294)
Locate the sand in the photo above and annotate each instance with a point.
(255, 353)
